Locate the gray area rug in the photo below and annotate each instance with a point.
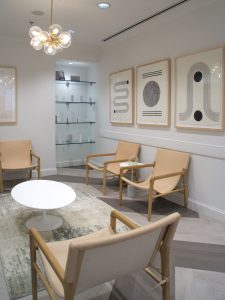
(160, 206)
(86, 214)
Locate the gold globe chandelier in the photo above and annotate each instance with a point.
(53, 41)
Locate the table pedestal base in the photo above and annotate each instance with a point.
(44, 222)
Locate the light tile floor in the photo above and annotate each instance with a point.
(198, 262)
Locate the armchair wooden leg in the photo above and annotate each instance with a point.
(30, 173)
(121, 192)
(186, 197)
(69, 292)
(33, 271)
(1, 182)
(165, 273)
(150, 199)
(104, 182)
(87, 174)
(39, 175)
(185, 192)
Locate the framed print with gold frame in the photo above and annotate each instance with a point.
(199, 90)
(121, 97)
(7, 95)
(153, 93)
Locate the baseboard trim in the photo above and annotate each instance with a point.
(11, 175)
(203, 209)
(64, 164)
(47, 172)
(207, 211)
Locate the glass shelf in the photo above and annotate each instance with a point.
(68, 82)
(75, 102)
(68, 123)
(75, 143)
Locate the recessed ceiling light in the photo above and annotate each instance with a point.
(37, 13)
(70, 63)
(103, 5)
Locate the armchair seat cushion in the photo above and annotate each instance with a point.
(17, 166)
(114, 168)
(60, 250)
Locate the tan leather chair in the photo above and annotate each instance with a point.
(168, 169)
(124, 151)
(81, 263)
(17, 155)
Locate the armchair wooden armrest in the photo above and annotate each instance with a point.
(181, 173)
(123, 169)
(116, 215)
(38, 162)
(37, 241)
(113, 161)
(98, 155)
(34, 155)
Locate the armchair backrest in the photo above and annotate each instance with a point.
(169, 161)
(94, 261)
(126, 149)
(14, 152)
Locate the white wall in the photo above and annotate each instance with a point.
(184, 32)
(36, 95)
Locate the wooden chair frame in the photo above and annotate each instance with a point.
(35, 167)
(102, 169)
(151, 195)
(162, 246)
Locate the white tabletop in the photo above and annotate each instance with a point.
(43, 194)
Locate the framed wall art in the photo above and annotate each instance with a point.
(199, 90)
(7, 95)
(121, 97)
(153, 93)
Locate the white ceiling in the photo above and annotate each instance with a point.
(91, 24)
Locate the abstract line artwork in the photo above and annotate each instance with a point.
(121, 96)
(199, 98)
(7, 95)
(153, 101)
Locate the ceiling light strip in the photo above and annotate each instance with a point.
(146, 19)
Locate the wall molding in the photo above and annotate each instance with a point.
(203, 149)
(47, 172)
(207, 210)
(203, 209)
(69, 163)
(21, 174)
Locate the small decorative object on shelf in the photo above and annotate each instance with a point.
(74, 78)
(59, 75)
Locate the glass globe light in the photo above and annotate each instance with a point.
(58, 48)
(65, 39)
(34, 31)
(44, 35)
(50, 50)
(55, 30)
(36, 43)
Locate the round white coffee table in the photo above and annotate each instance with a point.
(43, 195)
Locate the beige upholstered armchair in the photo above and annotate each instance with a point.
(110, 168)
(81, 263)
(17, 155)
(169, 170)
